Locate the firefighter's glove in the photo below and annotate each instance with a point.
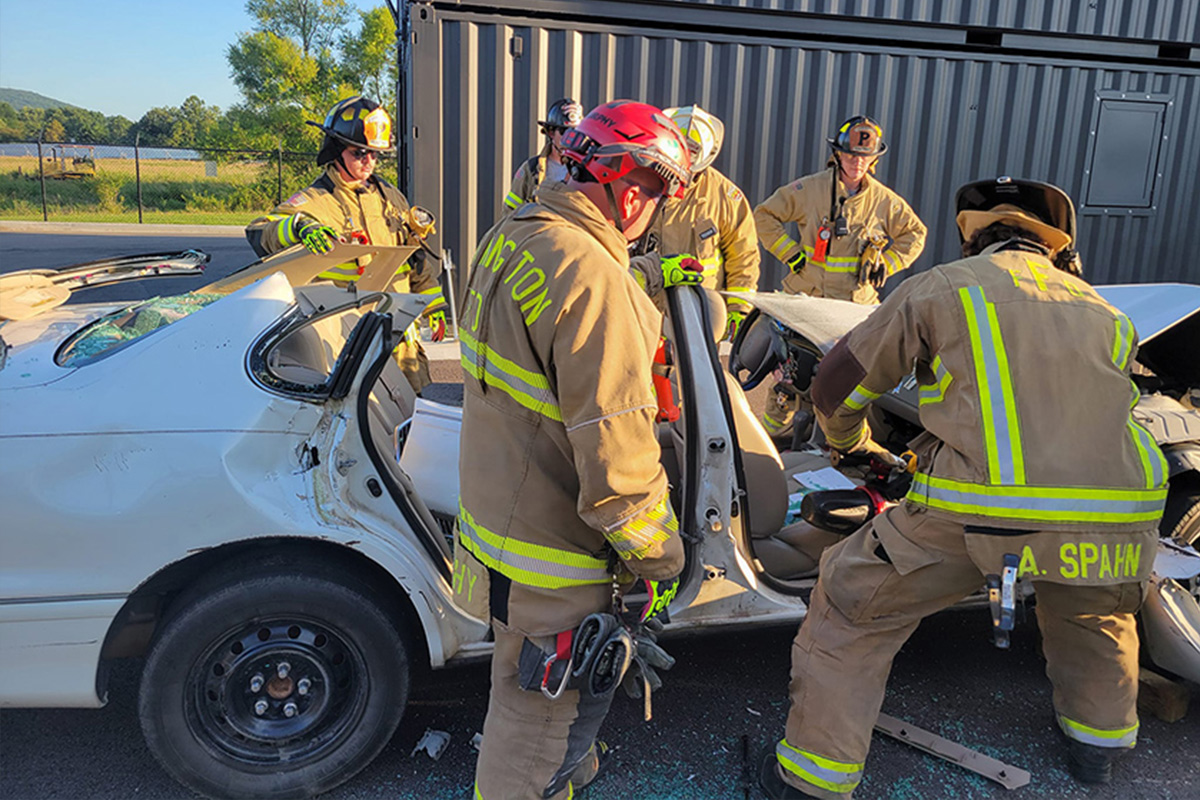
(796, 263)
(871, 266)
(318, 238)
(661, 593)
(420, 222)
(733, 323)
(681, 270)
(648, 658)
(437, 326)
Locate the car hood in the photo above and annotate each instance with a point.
(1167, 319)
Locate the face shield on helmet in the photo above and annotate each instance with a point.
(616, 138)
(1040, 207)
(703, 132)
(354, 122)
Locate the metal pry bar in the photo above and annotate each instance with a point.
(1006, 775)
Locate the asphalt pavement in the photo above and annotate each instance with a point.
(725, 700)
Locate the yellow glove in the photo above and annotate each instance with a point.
(871, 267)
(681, 270)
(733, 323)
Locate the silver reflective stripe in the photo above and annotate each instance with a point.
(1120, 737)
(860, 397)
(528, 563)
(833, 776)
(1046, 503)
(530, 389)
(1001, 431)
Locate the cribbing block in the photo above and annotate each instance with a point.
(1161, 696)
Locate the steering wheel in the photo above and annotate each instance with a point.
(754, 350)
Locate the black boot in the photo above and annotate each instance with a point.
(591, 765)
(1089, 763)
(773, 784)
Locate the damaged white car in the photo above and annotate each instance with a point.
(239, 484)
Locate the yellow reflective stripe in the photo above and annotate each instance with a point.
(341, 272)
(832, 263)
(513, 200)
(1039, 503)
(530, 389)
(943, 380)
(527, 563)
(438, 299)
(833, 776)
(851, 440)
(1154, 464)
(787, 243)
(636, 537)
(284, 231)
(893, 262)
(711, 266)
(1122, 341)
(859, 398)
(1118, 737)
(772, 425)
(997, 401)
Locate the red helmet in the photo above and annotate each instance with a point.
(618, 137)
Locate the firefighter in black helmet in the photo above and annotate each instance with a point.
(854, 233)
(350, 203)
(546, 165)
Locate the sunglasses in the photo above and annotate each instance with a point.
(362, 155)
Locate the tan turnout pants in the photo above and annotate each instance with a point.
(864, 608)
(534, 747)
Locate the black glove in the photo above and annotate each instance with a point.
(796, 263)
(648, 657)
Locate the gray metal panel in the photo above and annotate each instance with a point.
(1157, 20)
(949, 117)
(1124, 160)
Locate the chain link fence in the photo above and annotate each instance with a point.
(120, 183)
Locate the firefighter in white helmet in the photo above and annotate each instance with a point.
(350, 203)
(1011, 480)
(713, 223)
(854, 234)
(563, 490)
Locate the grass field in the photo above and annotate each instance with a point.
(171, 191)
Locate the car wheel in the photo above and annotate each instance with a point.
(1181, 517)
(280, 681)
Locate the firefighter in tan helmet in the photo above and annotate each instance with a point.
(350, 203)
(563, 491)
(546, 166)
(854, 234)
(713, 223)
(1010, 481)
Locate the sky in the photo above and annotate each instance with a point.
(123, 56)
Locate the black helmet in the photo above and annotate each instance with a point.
(354, 122)
(563, 114)
(1040, 207)
(859, 136)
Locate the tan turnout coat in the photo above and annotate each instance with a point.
(1025, 396)
(560, 466)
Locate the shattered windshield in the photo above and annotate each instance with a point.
(122, 327)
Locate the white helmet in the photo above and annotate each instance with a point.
(704, 134)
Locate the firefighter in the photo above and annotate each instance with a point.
(546, 166)
(349, 203)
(561, 483)
(1010, 471)
(854, 233)
(713, 222)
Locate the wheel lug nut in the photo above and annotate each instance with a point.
(256, 683)
(289, 710)
(260, 707)
(283, 669)
(303, 686)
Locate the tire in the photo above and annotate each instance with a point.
(214, 700)
(1181, 517)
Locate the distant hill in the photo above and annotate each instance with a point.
(20, 98)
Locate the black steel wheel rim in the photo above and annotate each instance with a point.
(286, 689)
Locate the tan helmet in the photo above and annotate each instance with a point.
(704, 134)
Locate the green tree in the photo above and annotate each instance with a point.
(54, 132)
(157, 127)
(369, 56)
(194, 123)
(313, 24)
(10, 123)
(120, 130)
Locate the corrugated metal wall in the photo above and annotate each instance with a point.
(1161, 20)
(949, 117)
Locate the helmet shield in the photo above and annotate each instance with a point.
(859, 136)
(703, 132)
(616, 138)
